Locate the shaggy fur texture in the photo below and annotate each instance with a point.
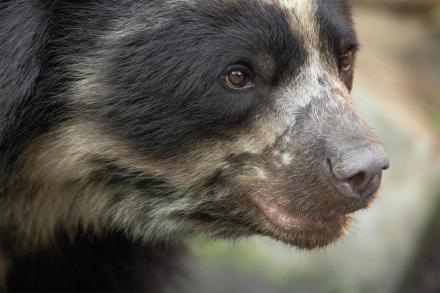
(120, 135)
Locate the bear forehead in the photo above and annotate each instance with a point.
(279, 33)
(304, 16)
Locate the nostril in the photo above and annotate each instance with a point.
(358, 181)
(362, 185)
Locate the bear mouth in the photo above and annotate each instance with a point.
(300, 231)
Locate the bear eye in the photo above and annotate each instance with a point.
(238, 78)
(346, 61)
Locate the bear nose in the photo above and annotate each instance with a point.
(357, 170)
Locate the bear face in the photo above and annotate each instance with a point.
(226, 118)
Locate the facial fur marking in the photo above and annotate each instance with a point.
(260, 173)
(303, 19)
(63, 161)
(314, 82)
(286, 159)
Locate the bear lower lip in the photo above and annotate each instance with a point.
(277, 215)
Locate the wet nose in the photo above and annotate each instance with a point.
(357, 170)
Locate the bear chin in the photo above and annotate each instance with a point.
(300, 231)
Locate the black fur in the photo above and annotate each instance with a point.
(86, 263)
(28, 78)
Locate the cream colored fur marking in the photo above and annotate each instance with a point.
(63, 155)
(302, 18)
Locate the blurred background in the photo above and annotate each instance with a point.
(395, 245)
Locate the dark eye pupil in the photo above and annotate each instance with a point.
(237, 77)
(347, 60)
